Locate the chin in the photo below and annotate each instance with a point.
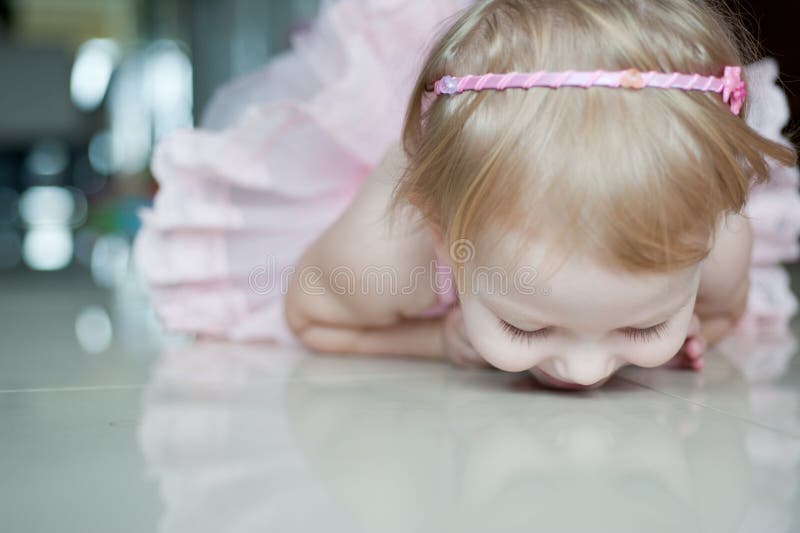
(553, 382)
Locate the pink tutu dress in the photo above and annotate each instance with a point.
(280, 153)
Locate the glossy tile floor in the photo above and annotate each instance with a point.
(106, 425)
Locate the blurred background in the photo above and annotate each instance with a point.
(88, 86)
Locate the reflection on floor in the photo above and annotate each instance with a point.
(214, 437)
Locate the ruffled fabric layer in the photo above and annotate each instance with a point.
(278, 156)
(281, 152)
(774, 211)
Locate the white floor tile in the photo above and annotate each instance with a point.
(461, 450)
(216, 437)
(39, 347)
(757, 380)
(70, 462)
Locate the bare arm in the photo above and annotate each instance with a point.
(366, 320)
(408, 337)
(724, 281)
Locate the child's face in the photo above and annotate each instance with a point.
(581, 324)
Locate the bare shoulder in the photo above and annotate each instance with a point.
(365, 265)
(724, 279)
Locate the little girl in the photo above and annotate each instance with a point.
(560, 186)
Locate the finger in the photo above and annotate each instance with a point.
(694, 326)
(692, 347)
(682, 360)
(695, 363)
(694, 354)
(695, 347)
(688, 356)
(703, 344)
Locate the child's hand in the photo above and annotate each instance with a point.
(457, 347)
(691, 353)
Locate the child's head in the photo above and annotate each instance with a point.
(623, 188)
(580, 324)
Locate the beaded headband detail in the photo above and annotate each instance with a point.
(731, 85)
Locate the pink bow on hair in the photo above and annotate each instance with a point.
(734, 91)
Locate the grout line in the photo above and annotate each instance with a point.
(717, 409)
(73, 389)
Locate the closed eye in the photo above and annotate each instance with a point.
(645, 334)
(635, 334)
(518, 334)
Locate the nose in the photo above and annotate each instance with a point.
(585, 368)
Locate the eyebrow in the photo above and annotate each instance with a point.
(661, 317)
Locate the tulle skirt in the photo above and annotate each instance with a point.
(280, 153)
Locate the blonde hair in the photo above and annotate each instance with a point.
(638, 179)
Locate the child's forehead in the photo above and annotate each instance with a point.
(579, 278)
(584, 295)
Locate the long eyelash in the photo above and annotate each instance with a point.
(521, 334)
(646, 334)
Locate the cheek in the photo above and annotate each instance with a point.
(493, 344)
(656, 354)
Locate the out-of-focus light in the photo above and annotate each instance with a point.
(47, 205)
(151, 95)
(46, 162)
(93, 329)
(168, 80)
(131, 123)
(84, 244)
(10, 248)
(8, 205)
(47, 247)
(109, 263)
(91, 72)
(100, 153)
(86, 178)
(80, 210)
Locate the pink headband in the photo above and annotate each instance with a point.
(730, 85)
